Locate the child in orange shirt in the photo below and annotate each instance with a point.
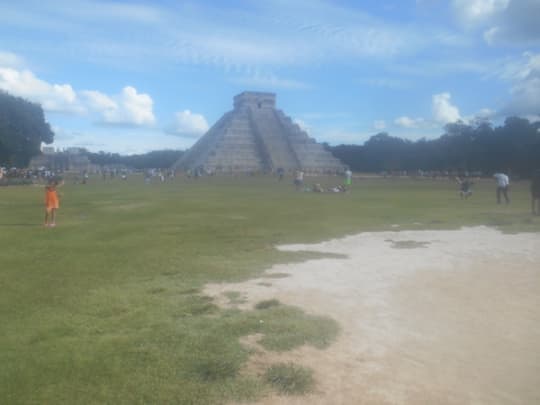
(52, 203)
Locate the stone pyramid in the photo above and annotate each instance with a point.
(255, 136)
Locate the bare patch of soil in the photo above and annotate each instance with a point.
(455, 322)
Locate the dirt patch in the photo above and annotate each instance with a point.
(455, 322)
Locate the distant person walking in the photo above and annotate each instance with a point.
(52, 202)
(502, 187)
(535, 193)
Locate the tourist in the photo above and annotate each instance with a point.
(464, 187)
(317, 188)
(535, 192)
(348, 176)
(299, 179)
(280, 173)
(52, 203)
(502, 187)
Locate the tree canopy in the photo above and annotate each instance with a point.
(513, 147)
(159, 159)
(22, 130)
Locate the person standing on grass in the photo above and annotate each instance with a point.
(535, 192)
(348, 177)
(502, 187)
(52, 202)
(464, 187)
(299, 179)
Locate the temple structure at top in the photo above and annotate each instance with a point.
(255, 136)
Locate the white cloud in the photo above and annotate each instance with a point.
(53, 97)
(484, 114)
(477, 11)
(524, 76)
(443, 111)
(516, 25)
(128, 108)
(524, 68)
(98, 101)
(504, 22)
(188, 124)
(407, 122)
(302, 124)
(10, 60)
(258, 34)
(132, 108)
(379, 124)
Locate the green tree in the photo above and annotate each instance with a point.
(22, 130)
(476, 146)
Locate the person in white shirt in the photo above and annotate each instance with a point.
(502, 187)
(299, 179)
(348, 176)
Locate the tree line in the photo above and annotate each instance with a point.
(478, 147)
(475, 147)
(23, 129)
(158, 159)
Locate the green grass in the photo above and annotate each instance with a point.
(290, 379)
(267, 304)
(107, 307)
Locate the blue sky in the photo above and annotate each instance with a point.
(134, 76)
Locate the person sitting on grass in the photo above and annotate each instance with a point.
(535, 192)
(317, 188)
(52, 202)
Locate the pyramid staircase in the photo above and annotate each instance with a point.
(255, 136)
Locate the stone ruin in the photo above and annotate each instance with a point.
(257, 137)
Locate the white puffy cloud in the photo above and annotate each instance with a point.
(443, 111)
(132, 108)
(128, 108)
(98, 101)
(407, 122)
(53, 97)
(188, 124)
(379, 124)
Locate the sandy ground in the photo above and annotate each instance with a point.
(427, 317)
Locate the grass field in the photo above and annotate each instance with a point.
(106, 307)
